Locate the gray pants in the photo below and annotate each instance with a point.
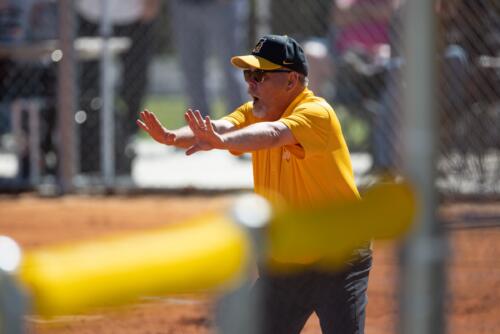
(210, 28)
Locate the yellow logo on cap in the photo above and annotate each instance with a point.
(257, 48)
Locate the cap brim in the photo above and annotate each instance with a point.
(252, 61)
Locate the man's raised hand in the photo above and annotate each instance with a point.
(206, 136)
(150, 123)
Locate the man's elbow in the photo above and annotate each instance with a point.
(274, 134)
(280, 135)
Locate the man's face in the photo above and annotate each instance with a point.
(269, 92)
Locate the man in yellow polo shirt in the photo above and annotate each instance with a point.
(300, 158)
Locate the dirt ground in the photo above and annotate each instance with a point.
(472, 300)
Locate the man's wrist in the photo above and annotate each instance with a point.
(223, 143)
(170, 138)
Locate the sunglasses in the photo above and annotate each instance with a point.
(259, 75)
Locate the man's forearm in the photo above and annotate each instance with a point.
(256, 137)
(184, 137)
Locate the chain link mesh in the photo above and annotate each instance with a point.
(129, 72)
(355, 51)
(28, 78)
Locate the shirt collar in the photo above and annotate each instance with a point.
(299, 98)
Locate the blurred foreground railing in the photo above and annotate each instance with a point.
(207, 253)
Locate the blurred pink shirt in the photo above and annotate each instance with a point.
(367, 35)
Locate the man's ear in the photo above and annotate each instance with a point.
(292, 80)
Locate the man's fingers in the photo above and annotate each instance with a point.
(208, 124)
(151, 118)
(199, 119)
(194, 119)
(154, 118)
(188, 116)
(193, 149)
(142, 125)
(194, 123)
(145, 117)
(151, 124)
(142, 116)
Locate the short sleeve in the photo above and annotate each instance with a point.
(312, 126)
(242, 116)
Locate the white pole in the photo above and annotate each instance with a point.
(107, 129)
(422, 274)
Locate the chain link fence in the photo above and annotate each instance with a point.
(356, 54)
(132, 42)
(356, 57)
(27, 88)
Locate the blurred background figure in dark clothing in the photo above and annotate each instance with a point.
(136, 20)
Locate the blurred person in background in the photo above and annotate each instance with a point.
(358, 35)
(361, 49)
(300, 160)
(137, 20)
(387, 118)
(453, 68)
(206, 28)
(30, 23)
(481, 41)
(349, 69)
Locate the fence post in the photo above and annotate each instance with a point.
(107, 127)
(240, 311)
(66, 98)
(423, 255)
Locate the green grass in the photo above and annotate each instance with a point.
(169, 109)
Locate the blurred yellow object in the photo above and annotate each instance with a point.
(327, 236)
(203, 254)
(208, 253)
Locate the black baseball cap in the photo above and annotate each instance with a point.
(273, 52)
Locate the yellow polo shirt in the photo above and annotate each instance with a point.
(317, 169)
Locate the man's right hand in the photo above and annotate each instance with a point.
(150, 123)
(206, 138)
